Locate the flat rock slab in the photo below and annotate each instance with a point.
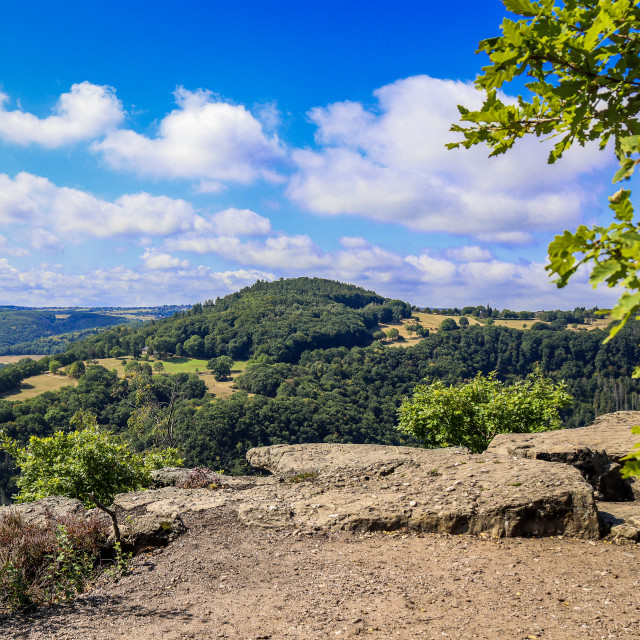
(40, 511)
(594, 450)
(370, 487)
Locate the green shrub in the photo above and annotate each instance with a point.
(89, 460)
(472, 414)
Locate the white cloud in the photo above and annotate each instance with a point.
(433, 269)
(468, 253)
(390, 164)
(235, 222)
(154, 260)
(87, 112)
(32, 200)
(525, 285)
(43, 240)
(204, 138)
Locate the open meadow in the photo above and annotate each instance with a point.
(35, 385)
(177, 364)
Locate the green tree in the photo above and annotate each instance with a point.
(472, 414)
(54, 366)
(158, 366)
(76, 369)
(88, 461)
(393, 333)
(583, 63)
(220, 367)
(463, 322)
(117, 352)
(448, 324)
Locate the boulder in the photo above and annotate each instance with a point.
(52, 507)
(169, 477)
(594, 450)
(151, 530)
(372, 487)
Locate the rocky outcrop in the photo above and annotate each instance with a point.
(594, 450)
(369, 487)
(169, 477)
(53, 507)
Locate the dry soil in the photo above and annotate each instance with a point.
(223, 580)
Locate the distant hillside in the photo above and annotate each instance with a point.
(25, 330)
(280, 319)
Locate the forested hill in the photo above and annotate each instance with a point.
(19, 325)
(281, 319)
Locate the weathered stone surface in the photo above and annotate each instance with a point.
(296, 459)
(624, 533)
(620, 521)
(169, 476)
(40, 511)
(594, 450)
(151, 530)
(369, 487)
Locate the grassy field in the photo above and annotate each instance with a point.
(186, 365)
(36, 385)
(12, 359)
(432, 321)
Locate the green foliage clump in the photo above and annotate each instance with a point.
(472, 414)
(220, 367)
(88, 460)
(632, 461)
(448, 324)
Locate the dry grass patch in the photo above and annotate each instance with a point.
(14, 359)
(35, 385)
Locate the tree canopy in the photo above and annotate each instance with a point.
(582, 60)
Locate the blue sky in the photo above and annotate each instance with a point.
(163, 152)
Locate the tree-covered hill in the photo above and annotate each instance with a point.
(280, 319)
(22, 325)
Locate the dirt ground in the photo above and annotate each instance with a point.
(222, 580)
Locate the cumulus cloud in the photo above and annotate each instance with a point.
(525, 285)
(87, 112)
(204, 138)
(390, 164)
(154, 259)
(33, 200)
(468, 253)
(235, 222)
(50, 285)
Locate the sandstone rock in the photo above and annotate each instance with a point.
(40, 511)
(380, 460)
(151, 530)
(624, 533)
(594, 450)
(369, 487)
(618, 519)
(169, 477)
